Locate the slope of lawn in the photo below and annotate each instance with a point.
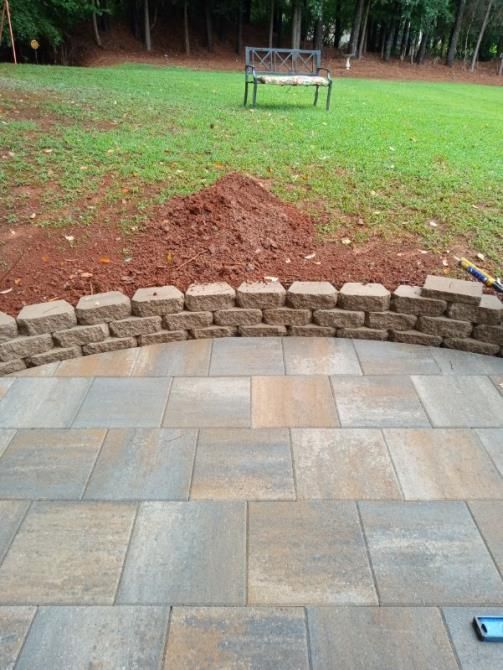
(102, 145)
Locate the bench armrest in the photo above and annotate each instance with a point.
(324, 69)
(250, 70)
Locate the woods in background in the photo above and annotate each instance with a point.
(446, 30)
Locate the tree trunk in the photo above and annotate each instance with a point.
(363, 35)
(389, 42)
(186, 27)
(97, 37)
(405, 41)
(355, 29)
(481, 35)
(271, 26)
(456, 29)
(338, 24)
(146, 17)
(209, 25)
(239, 34)
(296, 24)
(422, 49)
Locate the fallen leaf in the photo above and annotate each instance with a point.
(309, 256)
(69, 238)
(17, 281)
(433, 224)
(105, 260)
(271, 278)
(7, 290)
(33, 216)
(346, 241)
(45, 258)
(445, 262)
(86, 275)
(481, 257)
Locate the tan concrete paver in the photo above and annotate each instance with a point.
(14, 625)
(11, 515)
(67, 553)
(247, 356)
(492, 439)
(320, 356)
(180, 359)
(435, 464)
(489, 519)
(304, 553)
(292, 401)
(241, 464)
(235, 638)
(111, 364)
(343, 463)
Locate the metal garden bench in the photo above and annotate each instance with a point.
(285, 67)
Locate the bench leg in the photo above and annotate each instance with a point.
(246, 94)
(254, 95)
(316, 96)
(329, 94)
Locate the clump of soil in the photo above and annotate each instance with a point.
(234, 231)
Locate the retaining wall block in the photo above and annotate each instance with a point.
(311, 330)
(187, 320)
(492, 334)
(136, 325)
(9, 367)
(21, 347)
(157, 301)
(81, 335)
(408, 300)
(237, 316)
(363, 333)
(214, 331)
(162, 337)
(311, 295)
(440, 325)
(391, 320)
(208, 297)
(46, 317)
(8, 327)
(56, 354)
(103, 307)
(415, 337)
(469, 344)
(261, 295)
(286, 316)
(110, 344)
(365, 297)
(262, 330)
(339, 318)
(489, 312)
(453, 290)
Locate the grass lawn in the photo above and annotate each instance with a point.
(87, 145)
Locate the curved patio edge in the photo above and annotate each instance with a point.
(445, 312)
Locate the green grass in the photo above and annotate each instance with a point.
(94, 143)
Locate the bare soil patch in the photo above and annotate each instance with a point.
(234, 230)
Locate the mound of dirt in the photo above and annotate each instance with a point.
(234, 230)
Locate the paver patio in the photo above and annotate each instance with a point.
(252, 504)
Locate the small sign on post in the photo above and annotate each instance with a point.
(35, 45)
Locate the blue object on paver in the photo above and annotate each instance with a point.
(489, 628)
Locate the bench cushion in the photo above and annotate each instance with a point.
(292, 80)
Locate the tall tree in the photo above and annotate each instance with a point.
(296, 23)
(481, 35)
(456, 30)
(355, 29)
(146, 26)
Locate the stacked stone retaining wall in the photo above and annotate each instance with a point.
(444, 312)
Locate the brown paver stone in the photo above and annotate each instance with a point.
(103, 307)
(190, 553)
(311, 295)
(429, 553)
(54, 355)
(365, 297)
(220, 402)
(292, 401)
(454, 290)
(378, 638)
(261, 295)
(25, 346)
(436, 464)
(307, 553)
(209, 297)
(8, 327)
(342, 463)
(144, 464)
(49, 463)
(67, 553)
(379, 358)
(135, 325)
(14, 625)
(241, 464)
(247, 356)
(185, 359)
(408, 299)
(81, 335)
(111, 364)
(235, 638)
(110, 344)
(320, 356)
(184, 320)
(95, 637)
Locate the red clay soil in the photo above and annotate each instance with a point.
(234, 231)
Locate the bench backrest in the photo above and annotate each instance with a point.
(280, 61)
